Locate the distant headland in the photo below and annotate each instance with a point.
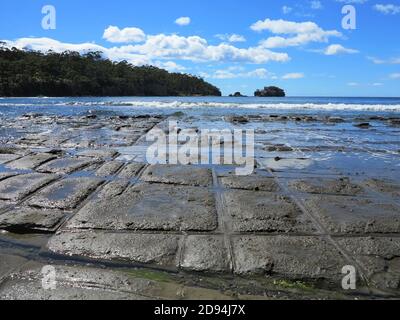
(30, 73)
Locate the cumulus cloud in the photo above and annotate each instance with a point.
(116, 35)
(231, 37)
(183, 21)
(387, 8)
(170, 66)
(299, 33)
(295, 75)
(230, 73)
(334, 49)
(160, 47)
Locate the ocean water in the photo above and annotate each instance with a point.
(201, 105)
(342, 148)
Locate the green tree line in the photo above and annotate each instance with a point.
(31, 73)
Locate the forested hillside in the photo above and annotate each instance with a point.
(29, 73)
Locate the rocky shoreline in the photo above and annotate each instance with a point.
(77, 194)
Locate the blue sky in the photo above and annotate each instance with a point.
(237, 45)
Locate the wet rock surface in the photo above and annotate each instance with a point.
(251, 182)
(316, 202)
(153, 249)
(350, 215)
(263, 211)
(147, 206)
(65, 194)
(379, 257)
(340, 186)
(30, 220)
(205, 253)
(289, 256)
(65, 165)
(31, 161)
(177, 174)
(20, 186)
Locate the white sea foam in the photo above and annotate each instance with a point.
(219, 105)
(194, 105)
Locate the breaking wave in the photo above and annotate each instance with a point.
(219, 105)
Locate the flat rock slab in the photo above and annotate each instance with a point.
(108, 169)
(5, 175)
(112, 189)
(355, 215)
(131, 170)
(386, 187)
(205, 253)
(100, 153)
(264, 211)
(178, 174)
(285, 164)
(65, 194)
(7, 157)
(75, 283)
(253, 182)
(340, 186)
(18, 187)
(31, 161)
(65, 165)
(292, 257)
(154, 249)
(9, 263)
(30, 220)
(148, 206)
(4, 205)
(378, 256)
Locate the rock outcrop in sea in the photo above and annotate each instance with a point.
(271, 91)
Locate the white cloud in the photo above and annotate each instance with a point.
(316, 5)
(357, 84)
(183, 21)
(290, 76)
(229, 73)
(286, 9)
(300, 33)
(231, 37)
(384, 61)
(170, 66)
(334, 49)
(352, 1)
(387, 8)
(395, 76)
(116, 35)
(195, 48)
(161, 47)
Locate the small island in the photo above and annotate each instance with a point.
(271, 91)
(32, 74)
(237, 94)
